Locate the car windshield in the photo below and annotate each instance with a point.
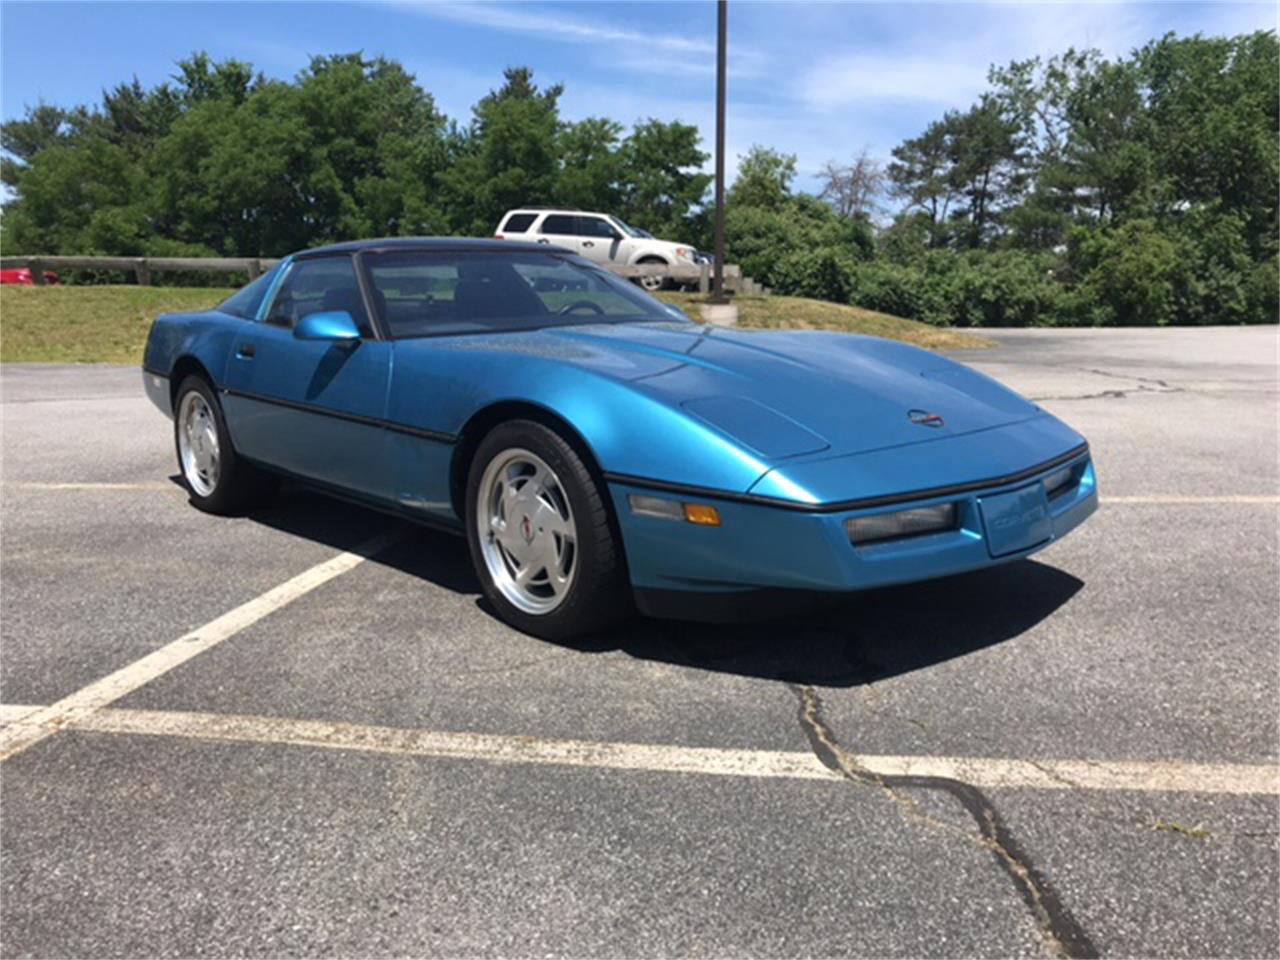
(632, 231)
(423, 293)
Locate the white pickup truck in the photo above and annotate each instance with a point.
(596, 236)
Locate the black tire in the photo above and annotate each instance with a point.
(238, 484)
(598, 594)
(663, 283)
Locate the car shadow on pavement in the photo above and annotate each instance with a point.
(870, 636)
(420, 551)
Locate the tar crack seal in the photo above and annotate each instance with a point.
(1062, 935)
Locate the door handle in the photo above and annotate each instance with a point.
(246, 351)
(544, 240)
(588, 243)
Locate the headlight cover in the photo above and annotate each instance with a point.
(1059, 482)
(901, 523)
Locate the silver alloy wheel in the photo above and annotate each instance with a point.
(652, 284)
(527, 532)
(198, 443)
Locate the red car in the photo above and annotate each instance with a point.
(22, 275)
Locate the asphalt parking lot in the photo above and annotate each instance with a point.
(299, 733)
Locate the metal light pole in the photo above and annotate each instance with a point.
(717, 285)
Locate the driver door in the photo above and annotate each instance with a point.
(598, 239)
(313, 408)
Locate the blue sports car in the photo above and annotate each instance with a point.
(595, 447)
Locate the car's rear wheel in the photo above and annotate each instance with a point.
(540, 534)
(652, 284)
(217, 479)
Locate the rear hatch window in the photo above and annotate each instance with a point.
(518, 223)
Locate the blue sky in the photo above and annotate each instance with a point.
(819, 80)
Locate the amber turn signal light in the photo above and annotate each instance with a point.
(702, 514)
(699, 513)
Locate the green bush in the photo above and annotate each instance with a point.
(892, 288)
(1128, 272)
(1002, 289)
(1134, 274)
(760, 239)
(1213, 278)
(823, 274)
(1264, 292)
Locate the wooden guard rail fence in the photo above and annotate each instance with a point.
(144, 269)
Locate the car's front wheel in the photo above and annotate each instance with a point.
(218, 480)
(540, 534)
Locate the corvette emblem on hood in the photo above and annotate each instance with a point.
(924, 418)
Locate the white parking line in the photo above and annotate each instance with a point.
(26, 485)
(46, 721)
(1174, 498)
(13, 712)
(1125, 775)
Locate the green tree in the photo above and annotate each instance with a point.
(352, 148)
(660, 178)
(920, 175)
(764, 179)
(200, 78)
(80, 197)
(1174, 150)
(42, 127)
(376, 148)
(1214, 112)
(236, 180)
(1033, 97)
(507, 157)
(589, 166)
(988, 168)
(134, 117)
(1108, 151)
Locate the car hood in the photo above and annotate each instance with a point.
(666, 246)
(792, 394)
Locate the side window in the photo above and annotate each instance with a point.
(560, 224)
(594, 227)
(244, 302)
(518, 223)
(318, 286)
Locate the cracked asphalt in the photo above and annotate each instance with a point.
(1152, 634)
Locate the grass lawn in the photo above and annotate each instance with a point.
(89, 324)
(109, 324)
(799, 313)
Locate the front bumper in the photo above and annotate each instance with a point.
(156, 386)
(761, 547)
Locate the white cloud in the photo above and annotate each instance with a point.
(556, 25)
(847, 80)
(940, 53)
(657, 52)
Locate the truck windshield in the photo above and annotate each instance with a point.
(631, 231)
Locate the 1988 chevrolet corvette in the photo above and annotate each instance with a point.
(596, 447)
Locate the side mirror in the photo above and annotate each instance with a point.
(329, 325)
